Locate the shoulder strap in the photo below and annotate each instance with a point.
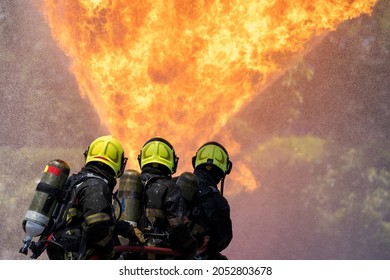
(207, 191)
(71, 186)
(81, 179)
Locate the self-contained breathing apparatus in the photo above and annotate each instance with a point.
(47, 207)
(47, 214)
(54, 196)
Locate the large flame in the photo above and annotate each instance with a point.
(180, 68)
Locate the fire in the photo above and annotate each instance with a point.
(180, 69)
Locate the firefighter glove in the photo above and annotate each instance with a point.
(136, 235)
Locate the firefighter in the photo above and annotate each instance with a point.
(91, 227)
(164, 206)
(210, 218)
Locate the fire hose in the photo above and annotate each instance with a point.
(158, 250)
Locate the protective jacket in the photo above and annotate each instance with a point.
(211, 217)
(164, 210)
(91, 222)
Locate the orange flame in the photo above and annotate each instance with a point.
(181, 68)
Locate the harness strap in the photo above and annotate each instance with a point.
(46, 188)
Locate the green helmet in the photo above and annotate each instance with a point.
(214, 154)
(108, 150)
(158, 151)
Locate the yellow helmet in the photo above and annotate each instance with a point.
(108, 150)
(213, 153)
(160, 151)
